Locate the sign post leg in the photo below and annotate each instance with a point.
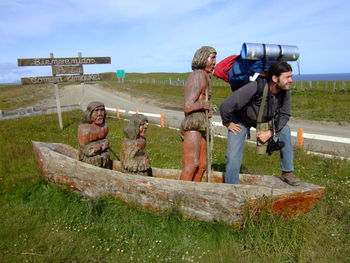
(58, 104)
(82, 94)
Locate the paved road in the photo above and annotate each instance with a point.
(318, 136)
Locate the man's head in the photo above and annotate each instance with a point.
(280, 74)
(95, 113)
(204, 58)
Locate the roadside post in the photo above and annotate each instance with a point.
(58, 102)
(82, 82)
(62, 68)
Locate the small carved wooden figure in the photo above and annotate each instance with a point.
(133, 156)
(193, 127)
(92, 133)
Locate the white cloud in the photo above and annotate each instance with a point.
(156, 35)
(10, 73)
(20, 19)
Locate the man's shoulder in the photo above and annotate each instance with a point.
(256, 87)
(248, 89)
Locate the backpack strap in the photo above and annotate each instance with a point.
(262, 105)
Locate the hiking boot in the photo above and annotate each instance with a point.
(290, 178)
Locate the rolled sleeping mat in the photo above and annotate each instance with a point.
(256, 51)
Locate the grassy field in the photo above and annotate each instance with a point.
(320, 102)
(40, 222)
(17, 96)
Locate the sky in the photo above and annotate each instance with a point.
(162, 36)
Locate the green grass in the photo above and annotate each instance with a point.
(318, 102)
(40, 222)
(17, 96)
(321, 104)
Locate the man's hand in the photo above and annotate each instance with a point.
(234, 127)
(264, 136)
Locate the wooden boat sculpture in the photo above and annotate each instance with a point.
(211, 202)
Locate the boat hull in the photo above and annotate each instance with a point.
(211, 202)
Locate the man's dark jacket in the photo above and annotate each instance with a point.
(245, 103)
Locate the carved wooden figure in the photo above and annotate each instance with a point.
(92, 133)
(133, 156)
(194, 126)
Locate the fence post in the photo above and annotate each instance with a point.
(161, 119)
(300, 137)
(117, 113)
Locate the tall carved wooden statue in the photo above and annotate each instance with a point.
(133, 156)
(93, 144)
(194, 126)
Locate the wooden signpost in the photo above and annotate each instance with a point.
(64, 69)
(61, 68)
(66, 78)
(62, 61)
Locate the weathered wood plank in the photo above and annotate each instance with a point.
(59, 70)
(210, 202)
(68, 78)
(62, 61)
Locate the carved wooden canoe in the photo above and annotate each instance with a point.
(211, 202)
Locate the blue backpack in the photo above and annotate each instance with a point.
(244, 71)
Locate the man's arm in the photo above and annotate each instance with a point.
(284, 111)
(237, 101)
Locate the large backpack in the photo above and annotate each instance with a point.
(238, 71)
(224, 66)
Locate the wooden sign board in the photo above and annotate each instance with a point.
(58, 70)
(62, 61)
(68, 78)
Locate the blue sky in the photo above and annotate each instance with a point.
(162, 36)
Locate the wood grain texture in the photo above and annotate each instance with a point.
(211, 202)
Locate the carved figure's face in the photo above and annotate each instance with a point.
(211, 62)
(98, 115)
(284, 81)
(143, 128)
